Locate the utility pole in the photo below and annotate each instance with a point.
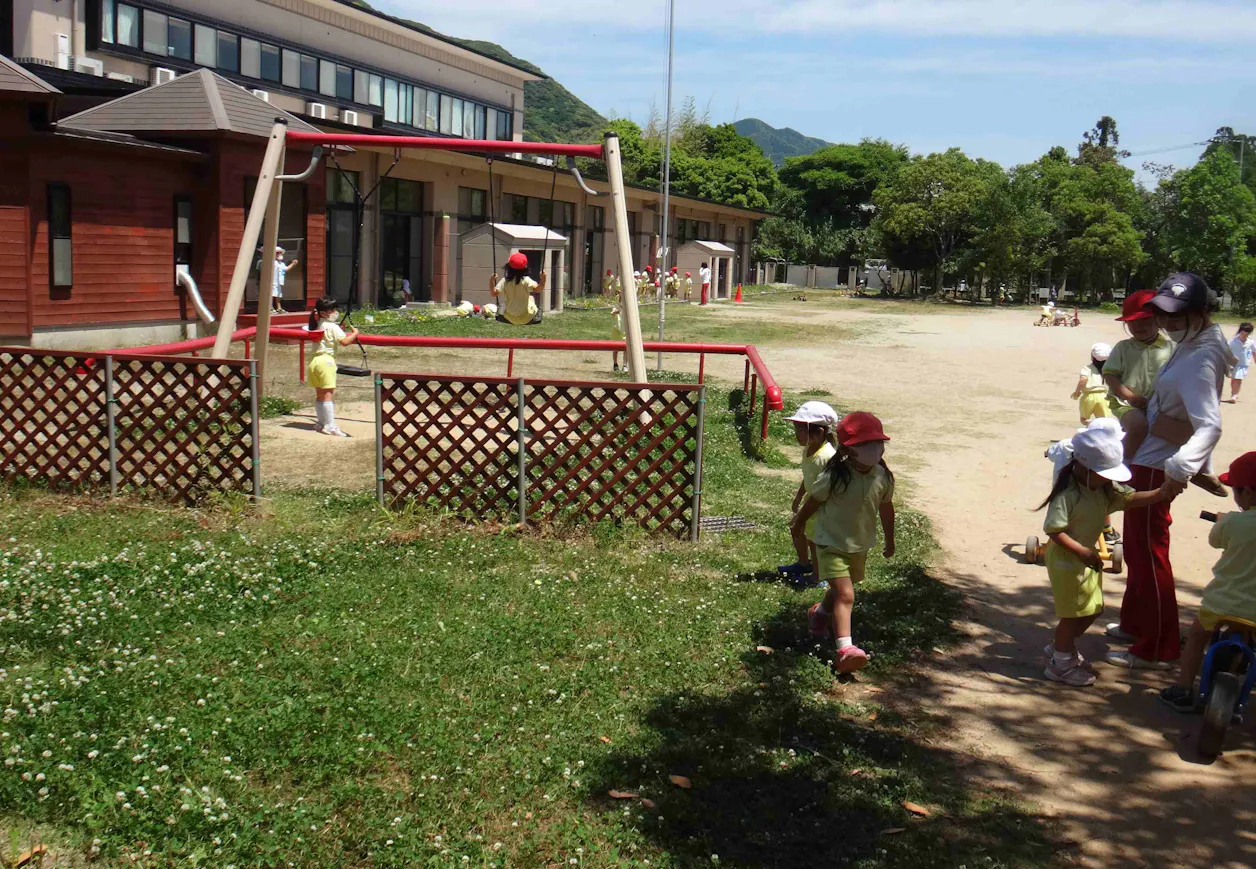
(665, 253)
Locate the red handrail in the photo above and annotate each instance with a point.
(433, 143)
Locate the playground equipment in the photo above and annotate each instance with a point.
(1036, 552)
(263, 220)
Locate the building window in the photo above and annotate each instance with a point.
(390, 100)
(432, 115)
(340, 186)
(183, 231)
(420, 108)
(457, 119)
(405, 103)
(326, 78)
(517, 208)
(446, 114)
(375, 91)
(503, 126)
(480, 121)
(309, 73)
(106, 21)
(228, 52)
(60, 250)
(361, 86)
(206, 46)
(291, 69)
(344, 82)
(468, 119)
(341, 231)
(155, 33)
(250, 58)
(270, 62)
(179, 39)
(128, 26)
(472, 208)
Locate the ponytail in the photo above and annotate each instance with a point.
(323, 306)
(841, 473)
(1061, 483)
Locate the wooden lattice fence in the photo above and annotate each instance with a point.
(498, 448)
(184, 427)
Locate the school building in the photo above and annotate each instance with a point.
(132, 132)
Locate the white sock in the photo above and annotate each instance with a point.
(844, 643)
(319, 417)
(1062, 659)
(328, 414)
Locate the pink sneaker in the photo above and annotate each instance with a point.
(850, 659)
(817, 623)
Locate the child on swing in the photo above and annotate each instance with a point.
(516, 289)
(854, 489)
(1086, 491)
(813, 427)
(321, 370)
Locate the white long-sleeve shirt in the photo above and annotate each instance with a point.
(1189, 388)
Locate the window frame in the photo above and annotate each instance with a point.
(234, 40)
(59, 290)
(170, 47)
(277, 56)
(184, 199)
(197, 30)
(145, 36)
(250, 67)
(108, 16)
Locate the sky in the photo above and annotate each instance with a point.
(1002, 79)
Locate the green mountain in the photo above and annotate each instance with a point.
(778, 144)
(551, 112)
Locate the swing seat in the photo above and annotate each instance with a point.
(353, 371)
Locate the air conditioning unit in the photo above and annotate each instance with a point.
(262, 95)
(162, 74)
(350, 117)
(89, 66)
(120, 76)
(316, 110)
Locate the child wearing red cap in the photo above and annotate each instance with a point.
(519, 308)
(610, 285)
(1232, 592)
(1134, 365)
(853, 490)
(688, 287)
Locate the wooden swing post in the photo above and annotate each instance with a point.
(623, 242)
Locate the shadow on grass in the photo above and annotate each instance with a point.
(787, 772)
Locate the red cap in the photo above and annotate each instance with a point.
(649, 269)
(1242, 472)
(608, 273)
(475, 308)
(688, 275)
(859, 428)
(674, 268)
(517, 261)
(1135, 306)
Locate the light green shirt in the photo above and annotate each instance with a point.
(1094, 381)
(332, 336)
(813, 467)
(518, 307)
(1137, 365)
(1081, 513)
(847, 520)
(1232, 591)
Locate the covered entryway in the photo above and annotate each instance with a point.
(719, 257)
(493, 243)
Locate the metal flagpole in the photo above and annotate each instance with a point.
(665, 253)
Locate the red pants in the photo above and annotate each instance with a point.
(1149, 610)
(706, 293)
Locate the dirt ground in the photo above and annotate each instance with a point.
(971, 400)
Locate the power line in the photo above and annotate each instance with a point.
(1172, 148)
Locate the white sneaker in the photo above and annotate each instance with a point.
(1127, 661)
(1049, 651)
(334, 432)
(1070, 674)
(1114, 632)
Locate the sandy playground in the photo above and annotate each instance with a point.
(971, 399)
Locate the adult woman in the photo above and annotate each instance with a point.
(1184, 420)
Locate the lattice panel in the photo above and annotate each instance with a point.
(183, 426)
(52, 417)
(451, 443)
(594, 451)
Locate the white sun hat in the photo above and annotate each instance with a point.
(1105, 423)
(815, 413)
(1100, 450)
(1100, 351)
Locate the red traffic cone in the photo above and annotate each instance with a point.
(737, 301)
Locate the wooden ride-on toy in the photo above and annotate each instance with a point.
(1114, 556)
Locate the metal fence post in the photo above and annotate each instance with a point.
(695, 510)
(111, 426)
(379, 439)
(522, 487)
(255, 429)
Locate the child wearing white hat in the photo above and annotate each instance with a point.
(1086, 491)
(813, 423)
(1061, 453)
(1092, 389)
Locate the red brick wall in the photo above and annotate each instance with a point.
(122, 213)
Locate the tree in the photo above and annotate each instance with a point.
(931, 204)
(836, 183)
(1214, 219)
(1099, 145)
(1241, 147)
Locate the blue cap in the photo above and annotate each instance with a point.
(1183, 292)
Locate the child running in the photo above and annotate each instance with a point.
(1086, 491)
(518, 306)
(853, 489)
(1242, 347)
(813, 427)
(1232, 592)
(1091, 392)
(321, 370)
(1133, 366)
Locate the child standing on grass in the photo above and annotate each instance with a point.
(813, 427)
(1232, 592)
(1086, 491)
(853, 490)
(1092, 392)
(321, 370)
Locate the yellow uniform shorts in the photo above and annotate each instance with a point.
(1210, 619)
(321, 372)
(836, 565)
(1094, 405)
(1077, 593)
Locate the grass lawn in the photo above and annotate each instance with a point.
(315, 683)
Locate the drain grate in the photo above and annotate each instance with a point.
(719, 524)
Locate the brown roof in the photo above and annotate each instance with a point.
(14, 79)
(199, 102)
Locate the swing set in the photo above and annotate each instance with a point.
(263, 220)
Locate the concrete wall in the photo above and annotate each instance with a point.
(114, 336)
